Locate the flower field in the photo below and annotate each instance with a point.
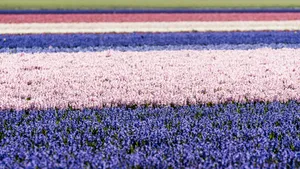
(150, 88)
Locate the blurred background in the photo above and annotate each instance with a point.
(116, 4)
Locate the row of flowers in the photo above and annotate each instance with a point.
(252, 135)
(150, 39)
(144, 48)
(146, 17)
(113, 78)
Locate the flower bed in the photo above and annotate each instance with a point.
(255, 135)
(225, 99)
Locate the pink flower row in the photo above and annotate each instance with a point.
(159, 17)
(111, 78)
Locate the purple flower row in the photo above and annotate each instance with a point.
(149, 48)
(150, 39)
(252, 135)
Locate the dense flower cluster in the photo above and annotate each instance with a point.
(255, 135)
(113, 78)
(151, 39)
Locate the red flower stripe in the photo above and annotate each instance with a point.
(160, 17)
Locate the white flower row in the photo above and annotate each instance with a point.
(120, 27)
(111, 78)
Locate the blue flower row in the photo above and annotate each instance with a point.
(148, 39)
(149, 48)
(252, 135)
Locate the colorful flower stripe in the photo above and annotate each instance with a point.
(256, 135)
(128, 27)
(149, 39)
(149, 48)
(112, 78)
(160, 17)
